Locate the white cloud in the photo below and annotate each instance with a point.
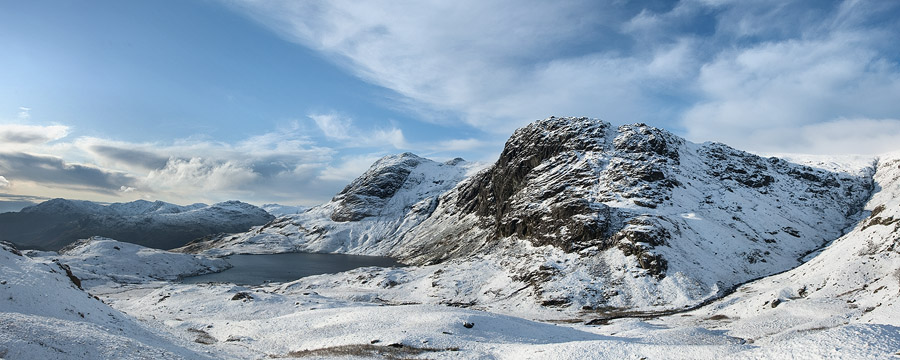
(13, 135)
(4, 183)
(24, 113)
(199, 174)
(842, 136)
(349, 168)
(460, 145)
(333, 126)
(790, 85)
(341, 128)
(716, 69)
(501, 64)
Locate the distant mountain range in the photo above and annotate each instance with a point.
(56, 223)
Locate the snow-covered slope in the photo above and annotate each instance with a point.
(367, 217)
(45, 315)
(856, 279)
(56, 223)
(577, 214)
(100, 260)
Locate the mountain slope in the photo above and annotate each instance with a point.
(56, 223)
(856, 279)
(367, 217)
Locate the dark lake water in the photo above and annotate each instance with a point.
(258, 269)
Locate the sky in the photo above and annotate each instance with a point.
(287, 101)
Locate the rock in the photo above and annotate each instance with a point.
(243, 296)
(8, 246)
(75, 280)
(468, 325)
(775, 303)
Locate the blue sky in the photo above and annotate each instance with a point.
(287, 101)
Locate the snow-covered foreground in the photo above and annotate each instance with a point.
(42, 313)
(269, 321)
(45, 315)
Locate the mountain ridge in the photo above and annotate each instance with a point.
(155, 224)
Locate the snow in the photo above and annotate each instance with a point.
(101, 260)
(855, 281)
(43, 315)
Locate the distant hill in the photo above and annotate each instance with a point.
(56, 223)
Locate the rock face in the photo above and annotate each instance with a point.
(578, 214)
(56, 223)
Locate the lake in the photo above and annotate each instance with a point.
(259, 269)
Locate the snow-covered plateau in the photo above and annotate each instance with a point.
(583, 241)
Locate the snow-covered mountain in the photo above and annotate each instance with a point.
(576, 214)
(367, 217)
(56, 223)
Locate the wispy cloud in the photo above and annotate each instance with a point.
(3, 182)
(341, 129)
(714, 70)
(333, 126)
(24, 113)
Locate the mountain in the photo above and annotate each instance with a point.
(576, 215)
(56, 223)
(392, 196)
